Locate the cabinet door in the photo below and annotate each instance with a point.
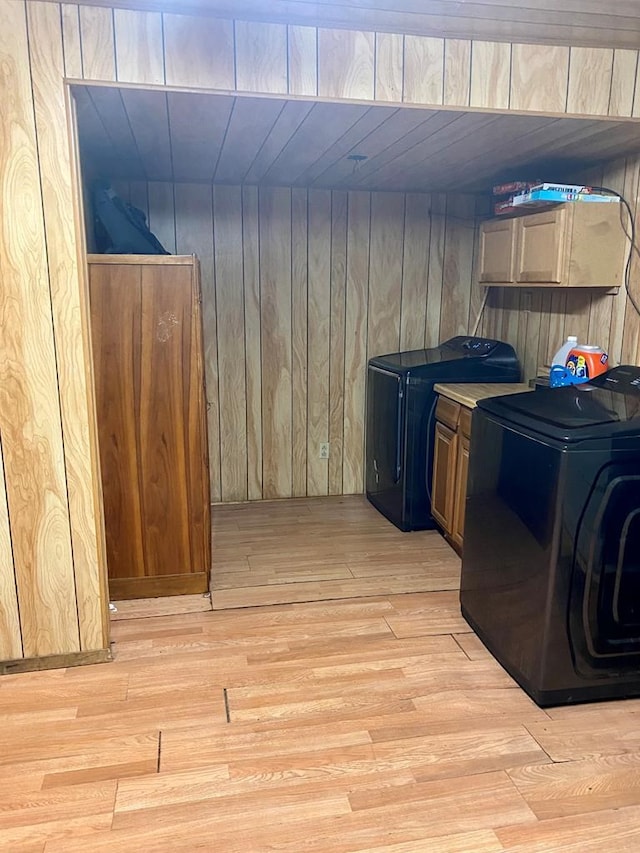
(542, 248)
(444, 469)
(460, 497)
(497, 250)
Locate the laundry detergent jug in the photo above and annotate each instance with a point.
(585, 361)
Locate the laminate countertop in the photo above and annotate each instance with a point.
(468, 394)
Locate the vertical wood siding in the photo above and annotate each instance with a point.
(300, 287)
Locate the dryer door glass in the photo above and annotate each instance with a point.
(606, 580)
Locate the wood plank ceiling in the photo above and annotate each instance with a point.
(590, 23)
(133, 134)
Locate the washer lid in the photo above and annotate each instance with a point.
(608, 405)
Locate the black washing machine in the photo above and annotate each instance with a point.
(400, 419)
(551, 564)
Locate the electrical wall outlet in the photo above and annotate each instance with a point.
(324, 450)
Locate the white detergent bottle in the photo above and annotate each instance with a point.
(560, 358)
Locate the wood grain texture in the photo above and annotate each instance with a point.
(389, 66)
(415, 264)
(318, 337)
(261, 57)
(435, 274)
(71, 327)
(623, 82)
(150, 391)
(10, 636)
(423, 70)
(162, 220)
(30, 418)
(97, 39)
(539, 77)
(490, 74)
(253, 334)
(139, 47)
(194, 236)
(457, 72)
(275, 308)
(299, 339)
(385, 273)
(230, 306)
(337, 340)
(458, 259)
(590, 81)
(356, 310)
(199, 52)
(303, 64)
(71, 40)
(346, 64)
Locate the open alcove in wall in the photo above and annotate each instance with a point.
(313, 261)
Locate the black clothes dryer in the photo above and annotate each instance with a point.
(551, 564)
(400, 420)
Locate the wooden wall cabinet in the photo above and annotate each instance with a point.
(151, 413)
(579, 244)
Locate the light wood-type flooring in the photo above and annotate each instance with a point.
(375, 724)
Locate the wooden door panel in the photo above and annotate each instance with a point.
(443, 472)
(497, 250)
(115, 323)
(542, 248)
(165, 338)
(460, 497)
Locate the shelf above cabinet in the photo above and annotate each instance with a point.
(580, 244)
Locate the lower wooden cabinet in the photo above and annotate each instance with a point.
(450, 468)
(151, 413)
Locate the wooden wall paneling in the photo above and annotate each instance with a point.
(318, 337)
(228, 253)
(356, 321)
(30, 419)
(116, 292)
(457, 72)
(10, 638)
(414, 148)
(423, 70)
(285, 126)
(162, 218)
(261, 57)
(337, 339)
(380, 146)
(385, 273)
(346, 64)
(97, 39)
(479, 294)
(199, 146)
(458, 262)
(490, 75)
(71, 41)
(194, 235)
(415, 265)
(539, 77)
(251, 121)
(139, 196)
(275, 308)
(544, 344)
(108, 101)
(199, 52)
(621, 175)
(492, 316)
(577, 316)
(360, 132)
(590, 76)
(389, 66)
(600, 320)
(630, 351)
(139, 47)
(253, 364)
(438, 212)
(310, 141)
(148, 116)
(303, 66)
(71, 325)
(556, 324)
(532, 338)
(625, 63)
(299, 326)
(165, 341)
